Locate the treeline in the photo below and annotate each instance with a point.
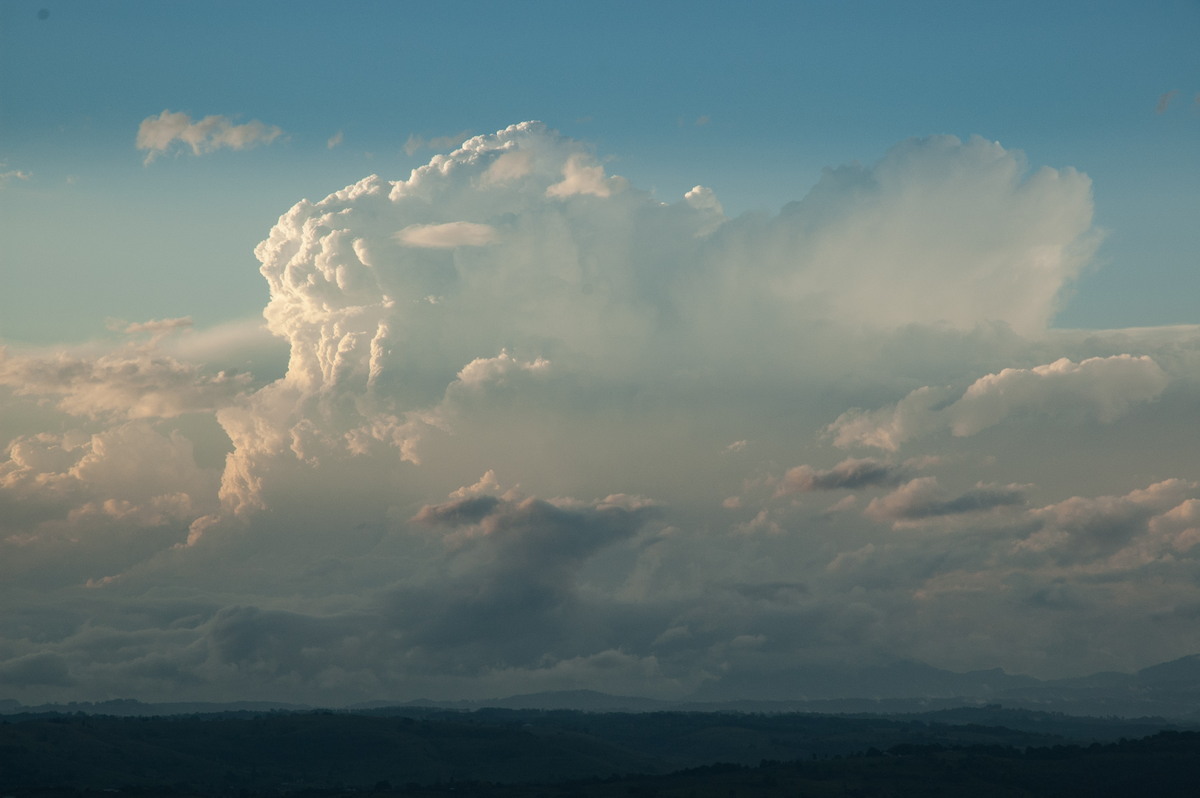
(566, 754)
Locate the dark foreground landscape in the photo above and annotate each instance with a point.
(412, 751)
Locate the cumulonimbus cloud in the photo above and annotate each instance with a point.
(158, 134)
(519, 242)
(513, 309)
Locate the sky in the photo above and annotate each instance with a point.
(382, 351)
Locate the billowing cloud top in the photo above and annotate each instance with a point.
(519, 241)
(521, 232)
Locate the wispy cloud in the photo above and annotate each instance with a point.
(158, 134)
(10, 175)
(416, 143)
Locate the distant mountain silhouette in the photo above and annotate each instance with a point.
(901, 679)
(1167, 690)
(128, 707)
(1182, 672)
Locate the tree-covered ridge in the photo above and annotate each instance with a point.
(497, 751)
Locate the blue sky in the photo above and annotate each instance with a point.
(793, 334)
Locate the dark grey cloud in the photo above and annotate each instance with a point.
(457, 513)
(510, 593)
(278, 642)
(39, 669)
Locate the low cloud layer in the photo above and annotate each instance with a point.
(499, 458)
(1101, 389)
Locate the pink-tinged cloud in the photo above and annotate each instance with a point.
(1100, 388)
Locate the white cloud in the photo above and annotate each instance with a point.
(335, 140)
(581, 178)
(703, 198)
(80, 506)
(1103, 388)
(447, 235)
(157, 134)
(132, 383)
(948, 231)
(487, 485)
(483, 370)
(509, 166)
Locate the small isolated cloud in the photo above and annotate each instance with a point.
(1165, 100)
(335, 140)
(158, 134)
(7, 177)
(447, 235)
(1103, 388)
